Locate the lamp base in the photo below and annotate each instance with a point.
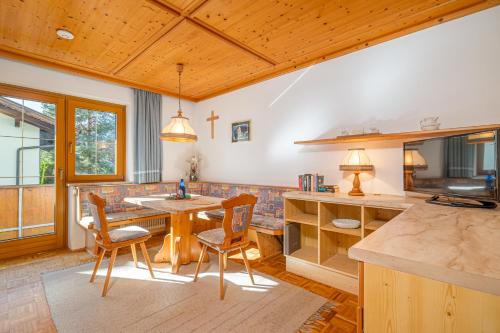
(356, 186)
(408, 179)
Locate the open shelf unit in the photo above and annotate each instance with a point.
(342, 263)
(317, 249)
(307, 253)
(302, 211)
(376, 217)
(374, 225)
(332, 228)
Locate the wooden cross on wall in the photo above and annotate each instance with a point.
(212, 119)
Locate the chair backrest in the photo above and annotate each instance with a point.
(97, 205)
(238, 212)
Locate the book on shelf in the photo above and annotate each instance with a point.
(329, 188)
(310, 182)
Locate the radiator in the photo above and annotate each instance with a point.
(155, 226)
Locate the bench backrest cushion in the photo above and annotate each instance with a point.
(115, 194)
(269, 203)
(270, 198)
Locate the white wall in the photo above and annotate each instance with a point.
(22, 74)
(451, 70)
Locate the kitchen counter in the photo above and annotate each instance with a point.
(460, 246)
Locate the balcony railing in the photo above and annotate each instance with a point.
(26, 211)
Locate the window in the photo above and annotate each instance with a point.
(32, 171)
(96, 141)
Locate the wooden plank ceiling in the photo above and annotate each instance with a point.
(224, 44)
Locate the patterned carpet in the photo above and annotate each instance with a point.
(23, 306)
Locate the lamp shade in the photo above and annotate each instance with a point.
(483, 137)
(414, 160)
(178, 130)
(356, 160)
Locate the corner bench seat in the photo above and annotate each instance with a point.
(268, 231)
(125, 217)
(260, 223)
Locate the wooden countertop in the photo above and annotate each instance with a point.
(161, 202)
(460, 246)
(376, 200)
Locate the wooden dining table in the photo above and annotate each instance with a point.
(180, 246)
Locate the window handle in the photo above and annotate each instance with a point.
(61, 174)
(71, 147)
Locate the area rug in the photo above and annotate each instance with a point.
(174, 303)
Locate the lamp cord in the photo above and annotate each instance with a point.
(179, 91)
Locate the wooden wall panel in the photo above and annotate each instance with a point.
(225, 44)
(8, 212)
(401, 302)
(296, 31)
(106, 32)
(181, 4)
(38, 205)
(8, 207)
(210, 62)
(38, 231)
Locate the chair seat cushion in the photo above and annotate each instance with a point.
(127, 233)
(213, 236)
(88, 221)
(259, 221)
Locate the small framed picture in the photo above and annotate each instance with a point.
(240, 131)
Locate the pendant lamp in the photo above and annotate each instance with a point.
(178, 130)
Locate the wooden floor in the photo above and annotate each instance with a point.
(23, 307)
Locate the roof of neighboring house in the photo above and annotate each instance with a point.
(32, 117)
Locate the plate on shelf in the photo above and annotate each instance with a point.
(346, 223)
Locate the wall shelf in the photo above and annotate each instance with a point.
(399, 136)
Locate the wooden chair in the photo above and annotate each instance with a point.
(233, 235)
(112, 240)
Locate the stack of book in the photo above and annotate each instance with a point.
(310, 183)
(329, 188)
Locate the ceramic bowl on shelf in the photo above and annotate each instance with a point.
(346, 223)
(429, 124)
(432, 127)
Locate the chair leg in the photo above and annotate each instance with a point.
(110, 268)
(198, 265)
(247, 264)
(146, 257)
(97, 264)
(134, 254)
(221, 275)
(225, 260)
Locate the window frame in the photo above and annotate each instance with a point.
(72, 103)
(58, 239)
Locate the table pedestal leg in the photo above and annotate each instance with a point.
(180, 246)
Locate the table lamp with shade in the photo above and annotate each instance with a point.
(178, 129)
(413, 161)
(356, 161)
